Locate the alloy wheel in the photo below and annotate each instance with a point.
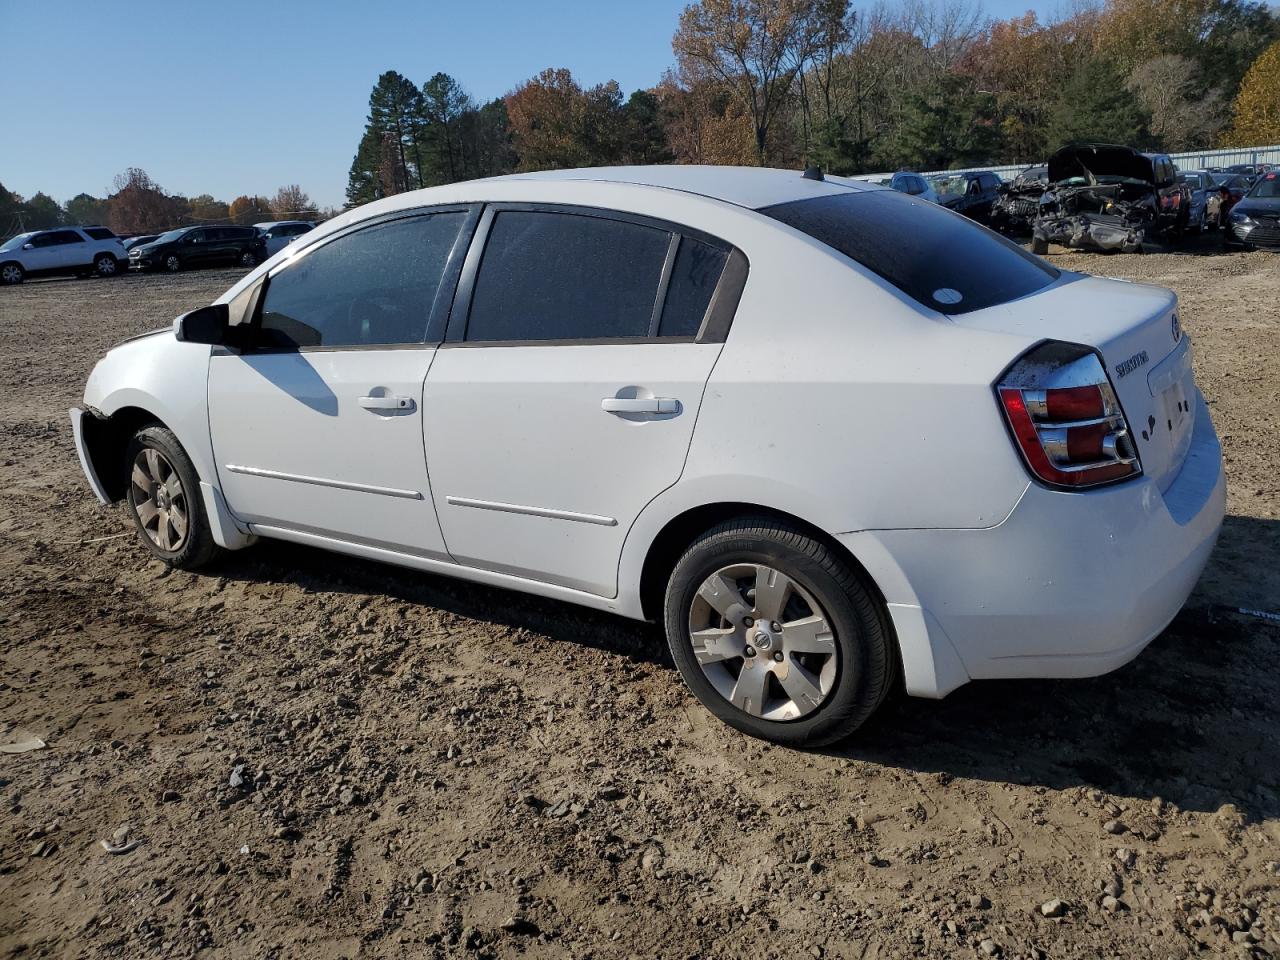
(159, 500)
(763, 642)
(172, 263)
(248, 260)
(106, 266)
(11, 273)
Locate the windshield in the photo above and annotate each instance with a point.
(940, 259)
(14, 243)
(1190, 179)
(171, 235)
(1267, 187)
(950, 186)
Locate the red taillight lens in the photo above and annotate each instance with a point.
(1065, 418)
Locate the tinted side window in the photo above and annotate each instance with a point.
(44, 240)
(67, 236)
(100, 233)
(940, 260)
(239, 233)
(561, 276)
(694, 277)
(376, 285)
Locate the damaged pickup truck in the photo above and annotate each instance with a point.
(1106, 197)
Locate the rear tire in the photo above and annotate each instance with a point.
(777, 634)
(165, 502)
(248, 259)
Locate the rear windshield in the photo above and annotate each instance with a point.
(938, 258)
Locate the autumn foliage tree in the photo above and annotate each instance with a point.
(755, 48)
(292, 203)
(1256, 111)
(140, 205)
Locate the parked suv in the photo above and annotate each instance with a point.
(827, 435)
(280, 233)
(68, 251)
(199, 247)
(972, 193)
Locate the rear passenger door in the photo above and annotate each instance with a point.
(565, 395)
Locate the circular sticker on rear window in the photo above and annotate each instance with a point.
(947, 295)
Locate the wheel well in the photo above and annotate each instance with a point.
(106, 441)
(682, 530)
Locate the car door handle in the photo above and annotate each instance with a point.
(640, 405)
(386, 403)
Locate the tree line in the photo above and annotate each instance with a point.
(139, 205)
(925, 84)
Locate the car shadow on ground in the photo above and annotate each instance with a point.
(1192, 720)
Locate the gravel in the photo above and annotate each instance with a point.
(430, 768)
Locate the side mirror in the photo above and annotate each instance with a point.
(206, 325)
(28, 246)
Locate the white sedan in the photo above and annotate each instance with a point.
(835, 438)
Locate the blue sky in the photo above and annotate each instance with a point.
(230, 97)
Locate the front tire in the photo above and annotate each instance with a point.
(165, 502)
(105, 265)
(172, 263)
(777, 634)
(12, 273)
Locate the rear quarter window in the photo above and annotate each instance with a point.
(100, 233)
(940, 259)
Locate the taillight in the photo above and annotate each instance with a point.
(1066, 419)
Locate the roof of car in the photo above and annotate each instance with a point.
(751, 187)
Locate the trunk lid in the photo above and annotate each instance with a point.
(1135, 327)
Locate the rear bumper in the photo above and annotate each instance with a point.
(1068, 585)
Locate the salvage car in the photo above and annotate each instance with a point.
(972, 192)
(1205, 200)
(1018, 202)
(1254, 222)
(1107, 197)
(834, 439)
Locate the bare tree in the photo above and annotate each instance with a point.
(1182, 116)
(754, 47)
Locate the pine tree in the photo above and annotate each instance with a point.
(1095, 105)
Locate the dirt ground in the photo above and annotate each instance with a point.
(327, 758)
